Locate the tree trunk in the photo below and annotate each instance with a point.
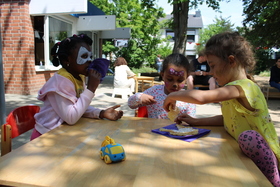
(180, 16)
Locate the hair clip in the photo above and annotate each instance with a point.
(58, 43)
(177, 73)
(74, 35)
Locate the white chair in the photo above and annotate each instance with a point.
(124, 92)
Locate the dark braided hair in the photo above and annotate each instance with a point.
(61, 50)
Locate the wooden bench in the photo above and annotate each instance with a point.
(270, 92)
(148, 84)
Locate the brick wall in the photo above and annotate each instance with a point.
(17, 34)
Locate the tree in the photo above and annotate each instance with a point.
(219, 25)
(261, 26)
(142, 18)
(262, 22)
(180, 19)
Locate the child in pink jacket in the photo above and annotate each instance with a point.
(65, 95)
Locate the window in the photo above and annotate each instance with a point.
(57, 29)
(171, 35)
(39, 41)
(190, 38)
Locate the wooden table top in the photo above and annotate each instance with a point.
(69, 156)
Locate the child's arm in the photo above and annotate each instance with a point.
(93, 80)
(111, 113)
(70, 111)
(140, 99)
(134, 101)
(215, 120)
(202, 96)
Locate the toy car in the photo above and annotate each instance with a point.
(111, 151)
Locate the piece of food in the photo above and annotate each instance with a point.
(172, 114)
(182, 131)
(181, 126)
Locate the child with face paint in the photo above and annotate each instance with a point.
(65, 95)
(175, 70)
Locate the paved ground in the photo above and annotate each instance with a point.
(103, 99)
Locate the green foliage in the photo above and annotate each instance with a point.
(219, 25)
(143, 70)
(264, 61)
(142, 17)
(262, 22)
(264, 74)
(164, 50)
(261, 28)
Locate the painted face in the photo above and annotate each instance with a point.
(79, 60)
(174, 78)
(84, 56)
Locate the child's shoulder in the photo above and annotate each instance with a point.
(241, 82)
(156, 87)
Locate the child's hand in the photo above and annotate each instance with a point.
(147, 99)
(183, 118)
(111, 113)
(169, 102)
(93, 79)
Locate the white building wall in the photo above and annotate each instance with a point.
(191, 46)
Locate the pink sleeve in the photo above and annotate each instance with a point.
(71, 112)
(134, 101)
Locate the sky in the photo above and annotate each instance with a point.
(232, 10)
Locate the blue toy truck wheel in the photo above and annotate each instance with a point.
(101, 155)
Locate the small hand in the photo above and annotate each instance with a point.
(183, 118)
(93, 79)
(147, 99)
(111, 113)
(198, 73)
(167, 103)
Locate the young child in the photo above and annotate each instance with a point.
(66, 97)
(175, 69)
(244, 110)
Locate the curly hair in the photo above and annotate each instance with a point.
(231, 43)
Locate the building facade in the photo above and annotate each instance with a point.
(195, 23)
(29, 29)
